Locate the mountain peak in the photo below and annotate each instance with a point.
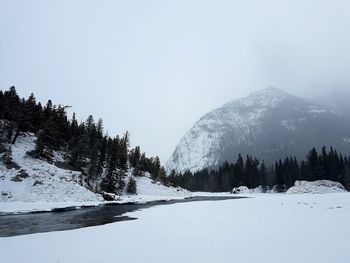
(269, 97)
(270, 91)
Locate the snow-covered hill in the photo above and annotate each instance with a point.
(41, 181)
(38, 185)
(269, 124)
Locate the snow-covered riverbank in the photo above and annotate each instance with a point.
(18, 207)
(288, 228)
(148, 192)
(160, 193)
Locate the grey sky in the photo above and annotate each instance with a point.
(154, 67)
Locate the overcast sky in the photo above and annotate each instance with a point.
(155, 67)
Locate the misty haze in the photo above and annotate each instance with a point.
(176, 131)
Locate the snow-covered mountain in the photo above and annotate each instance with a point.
(269, 124)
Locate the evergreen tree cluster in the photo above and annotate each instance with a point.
(103, 160)
(19, 115)
(143, 164)
(328, 165)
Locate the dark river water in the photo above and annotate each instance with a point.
(24, 224)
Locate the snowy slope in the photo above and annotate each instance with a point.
(48, 187)
(148, 190)
(45, 183)
(268, 124)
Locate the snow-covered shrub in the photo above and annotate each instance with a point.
(246, 190)
(7, 160)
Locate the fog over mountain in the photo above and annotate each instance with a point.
(337, 100)
(160, 65)
(269, 124)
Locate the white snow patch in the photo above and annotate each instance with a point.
(346, 140)
(314, 109)
(292, 124)
(316, 187)
(289, 125)
(148, 190)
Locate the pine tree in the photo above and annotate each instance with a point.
(93, 165)
(143, 163)
(19, 120)
(345, 177)
(162, 175)
(248, 172)
(172, 178)
(239, 170)
(156, 169)
(131, 187)
(74, 126)
(279, 176)
(113, 181)
(102, 156)
(313, 162)
(262, 175)
(45, 141)
(99, 129)
(135, 155)
(123, 154)
(78, 149)
(48, 109)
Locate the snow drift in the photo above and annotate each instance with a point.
(316, 187)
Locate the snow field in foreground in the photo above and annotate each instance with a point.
(265, 228)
